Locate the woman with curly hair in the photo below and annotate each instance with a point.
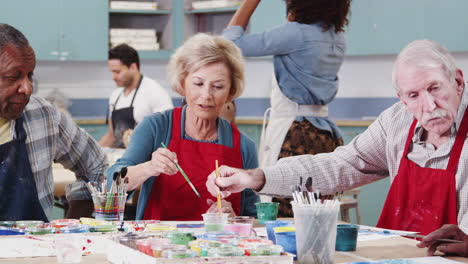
(308, 51)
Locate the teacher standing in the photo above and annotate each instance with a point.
(308, 51)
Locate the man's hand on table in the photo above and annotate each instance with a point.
(450, 232)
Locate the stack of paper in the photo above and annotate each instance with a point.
(139, 39)
(202, 4)
(133, 5)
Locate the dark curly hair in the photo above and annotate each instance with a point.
(126, 54)
(331, 13)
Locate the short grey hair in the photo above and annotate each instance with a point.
(425, 54)
(203, 49)
(11, 35)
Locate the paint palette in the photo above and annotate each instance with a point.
(103, 228)
(160, 227)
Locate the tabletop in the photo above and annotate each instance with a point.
(387, 248)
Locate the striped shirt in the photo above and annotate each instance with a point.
(53, 136)
(371, 156)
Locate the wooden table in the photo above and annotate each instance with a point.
(62, 177)
(393, 247)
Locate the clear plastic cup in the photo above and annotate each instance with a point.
(316, 231)
(214, 222)
(242, 225)
(110, 206)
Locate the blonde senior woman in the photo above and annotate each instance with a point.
(208, 71)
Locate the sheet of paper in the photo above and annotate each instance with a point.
(367, 233)
(424, 260)
(43, 246)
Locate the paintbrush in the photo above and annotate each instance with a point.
(219, 194)
(123, 172)
(183, 174)
(90, 187)
(114, 182)
(440, 239)
(413, 235)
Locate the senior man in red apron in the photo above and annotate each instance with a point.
(429, 172)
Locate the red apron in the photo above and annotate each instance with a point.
(423, 199)
(171, 198)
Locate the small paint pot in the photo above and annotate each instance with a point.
(180, 238)
(7, 223)
(11, 232)
(225, 251)
(275, 223)
(144, 245)
(264, 250)
(28, 224)
(160, 227)
(266, 211)
(59, 223)
(288, 241)
(103, 228)
(214, 222)
(41, 230)
(74, 229)
(346, 237)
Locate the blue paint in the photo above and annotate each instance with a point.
(387, 261)
(190, 225)
(275, 223)
(288, 241)
(346, 237)
(11, 232)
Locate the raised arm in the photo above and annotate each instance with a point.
(243, 14)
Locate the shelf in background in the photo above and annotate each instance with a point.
(143, 12)
(212, 10)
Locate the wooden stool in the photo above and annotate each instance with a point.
(348, 201)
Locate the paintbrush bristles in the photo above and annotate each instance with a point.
(123, 172)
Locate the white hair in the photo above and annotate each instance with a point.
(201, 50)
(425, 54)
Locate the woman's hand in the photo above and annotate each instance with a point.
(226, 207)
(162, 161)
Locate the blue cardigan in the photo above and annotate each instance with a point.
(157, 128)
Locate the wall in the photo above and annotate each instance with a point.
(365, 88)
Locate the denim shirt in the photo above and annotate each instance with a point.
(306, 61)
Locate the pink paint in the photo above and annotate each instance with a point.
(239, 228)
(144, 246)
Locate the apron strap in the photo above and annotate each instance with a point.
(410, 137)
(134, 95)
(176, 126)
(459, 142)
(136, 91)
